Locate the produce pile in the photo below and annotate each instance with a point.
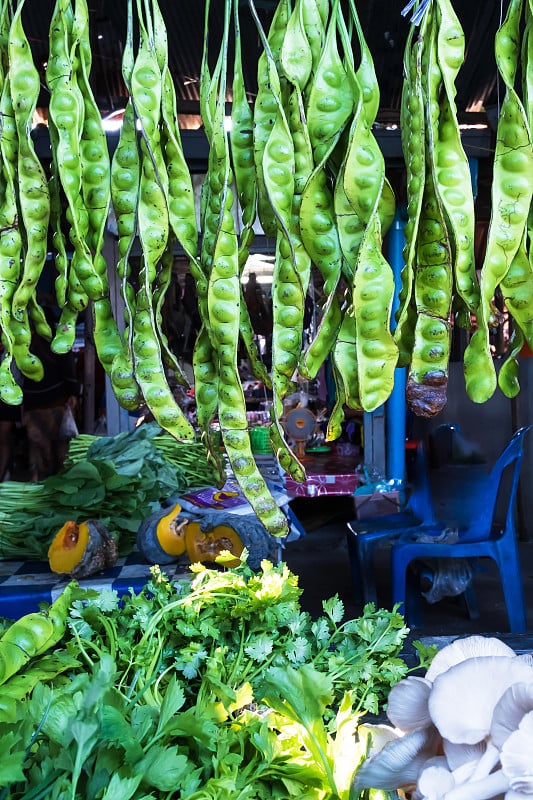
(118, 480)
(216, 687)
(304, 161)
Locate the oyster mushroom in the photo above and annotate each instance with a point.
(516, 757)
(469, 647)
(463, 698)
(400, 762)
(513, 705)
(435, 779)
(407, 703)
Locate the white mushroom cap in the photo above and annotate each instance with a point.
(517, 757)
(512, 706)
(457, 755)
(469, 647)
(435, 780)
(399, 763)
(463, 698)
(379, 736)
(407, 703)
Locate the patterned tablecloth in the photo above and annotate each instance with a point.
(25, 584)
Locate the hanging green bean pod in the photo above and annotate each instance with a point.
(512, 189)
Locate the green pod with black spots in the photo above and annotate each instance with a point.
(452, 170)
(28, 363)
(512, 189)
(285, 457)
(247, 334)
(242, 147)
(181, 203)
(344, 359)
(206, 395)
(330, 96)
(65, 332)
(517, 291)
(114, 354)
(320, 346)
(38, 319)
(510, 369)
(373, 293)
(160, 288)
(10, 238)
(427, 381)
(95, 160)
(149, 371)
(296, 56)
(319, 230)
(252, 483)
(336, 418)
(266, 106)
(427, 378)
(414, 148)
(33, 196)
(314, 25)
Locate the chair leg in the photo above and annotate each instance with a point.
(365, 556)
(414, 600)
(470, 600)
(355, 568)
(514, 597)
(399, 566)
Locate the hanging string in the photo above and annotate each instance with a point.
(419, 13)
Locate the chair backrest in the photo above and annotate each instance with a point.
(497, 493)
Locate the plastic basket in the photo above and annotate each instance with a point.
(260, 440)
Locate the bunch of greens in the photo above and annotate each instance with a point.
(220, 686)
(119, 480)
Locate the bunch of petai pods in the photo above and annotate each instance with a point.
(304, 162)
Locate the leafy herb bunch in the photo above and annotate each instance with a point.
(218, 686)
(235, 626)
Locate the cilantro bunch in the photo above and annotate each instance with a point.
(217, 686)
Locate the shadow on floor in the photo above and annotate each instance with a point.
(320, 560)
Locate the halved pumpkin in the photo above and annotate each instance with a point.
(207, 545)
(161, 536)
(80, 549)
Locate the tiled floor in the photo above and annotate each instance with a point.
(320, 560)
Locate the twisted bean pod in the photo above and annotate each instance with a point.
(33, 195)
(451, 164)
(414, 148)
(512, 189)
(266, 109)
(428, 372)
(373, 291)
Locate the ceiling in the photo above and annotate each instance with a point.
(384, 26)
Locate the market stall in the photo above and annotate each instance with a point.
(171, 656)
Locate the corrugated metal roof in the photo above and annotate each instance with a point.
(384, 27)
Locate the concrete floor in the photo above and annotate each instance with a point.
(320, 560)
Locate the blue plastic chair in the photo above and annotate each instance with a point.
(484, 535)
(364, 535)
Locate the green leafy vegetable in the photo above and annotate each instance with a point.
(218, 686)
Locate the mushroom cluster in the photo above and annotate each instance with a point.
(462, 732)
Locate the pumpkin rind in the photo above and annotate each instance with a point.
(161, 536)
(82, 549)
